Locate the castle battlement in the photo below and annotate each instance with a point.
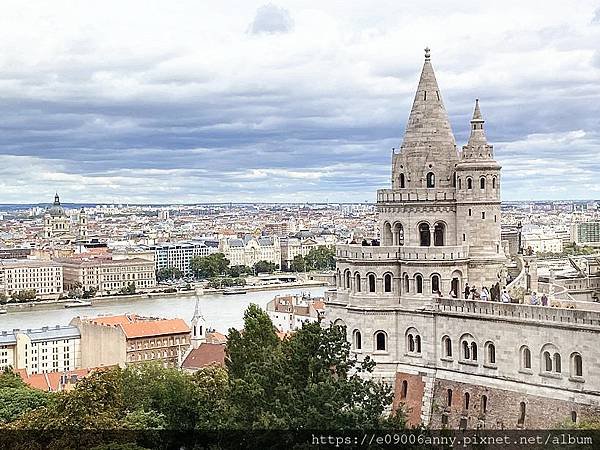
(356, 252)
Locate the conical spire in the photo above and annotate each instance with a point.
(428, 128)
(477, 136)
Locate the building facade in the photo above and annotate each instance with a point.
(586, 233)
(106, 274)
(129, 339)
(248, 251)
(43, 277)
(178, 255)
(43, 350)
(455, 362)
(57, 224)
(289, 312)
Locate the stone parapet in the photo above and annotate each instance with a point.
(415, 195)
(354, 252)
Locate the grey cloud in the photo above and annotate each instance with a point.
(271, 19)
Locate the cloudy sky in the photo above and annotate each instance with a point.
(196, 101)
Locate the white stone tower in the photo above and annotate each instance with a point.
(82, 224)
(198, 326)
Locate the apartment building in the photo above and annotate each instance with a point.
(289, 312)
(248, 250)
(45, 277)
(178, 255)
(129, 339)
(586, 233)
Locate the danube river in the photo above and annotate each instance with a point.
(220, 311)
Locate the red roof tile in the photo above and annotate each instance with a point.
(205, 355)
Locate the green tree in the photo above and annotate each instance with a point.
(265, 267)
(25, 295)
(298, 264)
(3, 298)
(238, 271)
(209, 266)
(169, 273)
(320, 258)
(129, 289)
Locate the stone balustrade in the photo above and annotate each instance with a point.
(519, 311)
(358, 252)
(414, 195)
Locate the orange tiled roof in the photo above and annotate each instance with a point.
(214, 337)
(50, 381)
(135, 326)
(205, 355)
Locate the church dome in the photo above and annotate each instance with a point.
(56, 210)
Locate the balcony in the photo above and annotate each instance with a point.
(355, 252)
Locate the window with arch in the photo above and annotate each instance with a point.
(406, 283)
(387, 282)
(439, 234)
(482, 183)
(419, 283)
(386, 235)
(525, 358)
(339, 323)
(550, 359)
(494, 182)
(459, 183)
(449, 397)
(398, 234)
(413, 341)
(380, 341)
(454, 179)
(404, 389)
(522, 411)
(357, 340)
(402, 181)
(371, 281)
(490, 353)
(576, 365)
(357, 282)
(430, 180)
(424, 235)
(469, 183)
(447, 347)
(435, 284)
(347, 278)
(467, 400)
(469, 348)
(484, 404)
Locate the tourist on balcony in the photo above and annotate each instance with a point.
(533, 299)
(453, 293)
(467, 290)
(505, 296)
(544, 300)
(484, 294)
(474, 293)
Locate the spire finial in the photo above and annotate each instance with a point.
(427, 53)
(477, 117)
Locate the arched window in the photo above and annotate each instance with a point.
(573, 416)
(484, 401)
(447, 347)
(449, 392)
(387, 237)
(439, 230)
(424, 235)
(347, 277)
(380, 341)
(404, 389)
(557, 367)
(466, 350)
(410, 343)
(435, 284)
(490, 353)
(398, 236)
(418, 343)
(460, 183)
(430, 180)
(473, 351)
(371, 279)
(467, 400)
(406, 283)
(521, 420)
(387, 282)
(402, 181)
(419, 282)
(357, 282)
(576, 365)
(547, 362)
(482, 183)
(494, 182)
(454, 180)
(357, 340)
(340, 324)
(525, 358)
(469, 183)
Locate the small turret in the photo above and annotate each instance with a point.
(198, 326)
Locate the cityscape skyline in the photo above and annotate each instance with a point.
(238, 109)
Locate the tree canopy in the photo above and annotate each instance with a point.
(209, 266)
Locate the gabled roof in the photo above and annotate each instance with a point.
(134, 326)
(205, 355)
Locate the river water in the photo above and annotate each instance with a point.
(220, 311)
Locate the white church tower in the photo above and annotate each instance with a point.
(198, 326)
